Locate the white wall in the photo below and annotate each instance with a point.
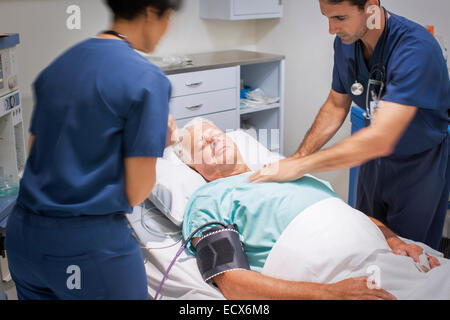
(431, 12)
(44, 35)
(302, 35)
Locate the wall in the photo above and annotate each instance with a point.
(44, 35)
(302, 35)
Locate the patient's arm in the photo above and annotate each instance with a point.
(400, 247)
(251, 285)
(391, 237)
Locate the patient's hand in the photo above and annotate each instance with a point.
(414, 251)
(356, 289)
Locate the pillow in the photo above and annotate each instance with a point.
(255, 154)
(175, 183)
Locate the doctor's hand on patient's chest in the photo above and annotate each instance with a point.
(283, 171)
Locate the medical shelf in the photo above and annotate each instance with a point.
(222, 59)
(248, 110)
(209, 86)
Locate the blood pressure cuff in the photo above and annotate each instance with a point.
(219, 250)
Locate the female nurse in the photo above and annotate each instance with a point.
(99, 123)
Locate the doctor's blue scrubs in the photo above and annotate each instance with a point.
(409, 190)
(68, 237)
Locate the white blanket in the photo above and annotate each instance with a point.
(330, 241)
(321, 244)
(159, 249)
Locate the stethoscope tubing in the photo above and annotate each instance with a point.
(357, 88)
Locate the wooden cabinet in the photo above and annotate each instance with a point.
(241, 9)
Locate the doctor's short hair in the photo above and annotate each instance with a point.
(130, 9)
(361, 4)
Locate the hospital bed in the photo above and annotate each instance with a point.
(160, 239)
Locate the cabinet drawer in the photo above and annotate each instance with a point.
(225, 121)
(200, 104)
(203, 81)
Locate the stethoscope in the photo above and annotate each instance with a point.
(116, 34)
(378, 69)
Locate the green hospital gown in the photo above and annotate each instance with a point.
(261, 211)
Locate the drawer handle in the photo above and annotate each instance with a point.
(192, 108)
(194, 84)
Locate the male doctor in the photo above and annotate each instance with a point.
(395, 71)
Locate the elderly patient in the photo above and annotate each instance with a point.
(261, 212)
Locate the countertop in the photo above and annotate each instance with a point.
(221, 59)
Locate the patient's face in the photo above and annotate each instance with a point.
(214, 155)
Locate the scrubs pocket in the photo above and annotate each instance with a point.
(74, 277)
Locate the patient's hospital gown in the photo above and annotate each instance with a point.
(261, 211)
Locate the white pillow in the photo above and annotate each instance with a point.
(176, 181)
(255, 154)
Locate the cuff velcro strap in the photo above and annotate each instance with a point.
(220, 250)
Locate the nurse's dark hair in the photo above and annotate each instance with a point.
(130, 9)
(359, 3)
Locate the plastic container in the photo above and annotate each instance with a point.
(244, 92)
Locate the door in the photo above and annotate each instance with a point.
(257, 7)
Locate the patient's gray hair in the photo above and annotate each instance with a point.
(178, 147)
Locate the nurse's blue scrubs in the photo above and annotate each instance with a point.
(68, 237)
(409, 190)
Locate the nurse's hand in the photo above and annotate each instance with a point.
(283, 171)
(172, 131)
(414, 251)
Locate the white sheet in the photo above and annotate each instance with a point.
(184, 281)
(330, 242)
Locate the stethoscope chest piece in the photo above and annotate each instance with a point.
(357, 89)
(378, 69)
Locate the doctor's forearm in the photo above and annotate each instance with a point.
(329, 120)
(353, 151)
(391, 238)
(376, 141)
